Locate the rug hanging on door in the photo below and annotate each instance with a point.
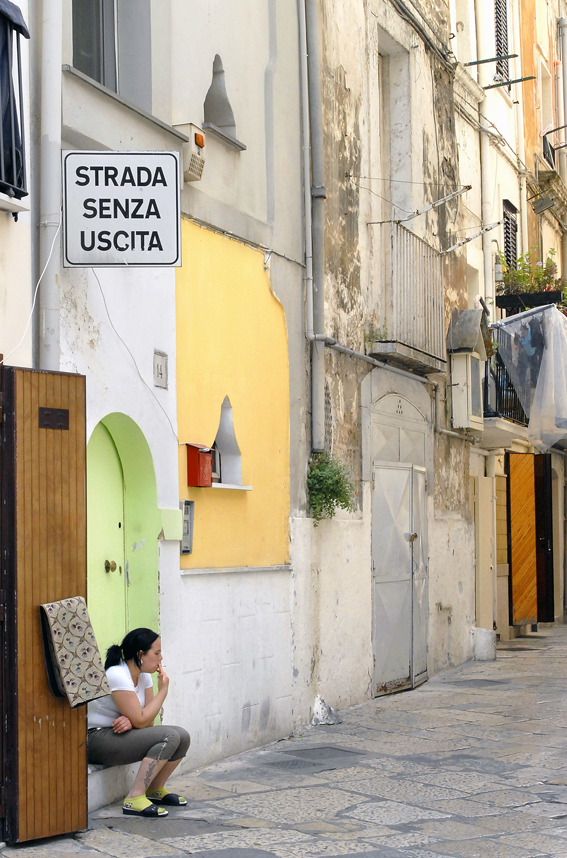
(72, 658)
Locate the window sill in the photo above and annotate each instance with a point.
(233, 488)
(71, 70)
(225, 570)
(226, 138)
(11, 204)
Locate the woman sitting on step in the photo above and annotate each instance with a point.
(120, 725)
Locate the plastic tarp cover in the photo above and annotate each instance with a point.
(533, 347)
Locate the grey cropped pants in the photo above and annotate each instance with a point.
(107, 748)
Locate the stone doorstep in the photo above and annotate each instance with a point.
(107, 784)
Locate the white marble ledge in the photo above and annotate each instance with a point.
(223, 570)
(230, 486)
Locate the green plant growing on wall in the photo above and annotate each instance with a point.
(528, 277)
(329, 486)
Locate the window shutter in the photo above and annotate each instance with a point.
(510, 223)
(502, 49)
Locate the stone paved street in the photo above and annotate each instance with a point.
(473, 763)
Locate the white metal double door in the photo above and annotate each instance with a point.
(399, 576)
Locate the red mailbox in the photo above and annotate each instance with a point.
(199, 465)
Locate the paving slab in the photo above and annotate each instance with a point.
(473, 764)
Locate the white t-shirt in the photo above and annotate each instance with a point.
(102, 712)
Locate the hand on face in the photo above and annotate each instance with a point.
(163, 678)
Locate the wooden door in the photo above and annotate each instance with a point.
(43, 544)
(544, 539)
(522, 535)
(530, 538)
(107, 573)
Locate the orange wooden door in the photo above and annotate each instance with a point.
(522, 524)
(43, 532)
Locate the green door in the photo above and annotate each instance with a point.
(107, 574)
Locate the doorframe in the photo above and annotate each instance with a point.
(419, 679)
(142, 517)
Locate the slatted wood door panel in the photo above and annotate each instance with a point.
(544, 539)
(47, 778)
(523, 561)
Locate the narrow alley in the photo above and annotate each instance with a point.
(472, 763)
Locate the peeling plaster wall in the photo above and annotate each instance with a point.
(387, 111)
(451, 591)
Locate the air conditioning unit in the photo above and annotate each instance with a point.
(193, 152)
(466, 390)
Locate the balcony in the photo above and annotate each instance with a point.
(12, 133)
(504, 417)
(410, 319)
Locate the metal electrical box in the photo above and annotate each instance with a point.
(188, 510)
(466, 391)
(199, 466)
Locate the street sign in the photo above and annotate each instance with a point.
(121, 208)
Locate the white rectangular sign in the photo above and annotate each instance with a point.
(121, 208)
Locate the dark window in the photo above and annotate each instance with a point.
(501, 25)
(12, 149)
(548, 152)
(94, 51)
(510, 223)
(112, 44)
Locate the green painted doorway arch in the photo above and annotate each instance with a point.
(123, 524)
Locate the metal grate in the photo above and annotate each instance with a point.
(413, 274)
(500, 395)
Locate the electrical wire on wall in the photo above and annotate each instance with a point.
(5, 358)
(142, 379)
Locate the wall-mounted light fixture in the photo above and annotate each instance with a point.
(542, 204)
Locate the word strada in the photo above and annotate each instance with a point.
(137, 177)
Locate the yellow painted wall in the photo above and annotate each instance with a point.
(232, 341)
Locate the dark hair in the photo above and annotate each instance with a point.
(138, 640)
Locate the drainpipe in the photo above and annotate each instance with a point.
(520, 129)
(563, 33)
(306, 175)
(485, 179)
(50, 183)
(317, 206)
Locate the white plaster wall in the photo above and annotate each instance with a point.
(258, 43)
(332, 612)
(451, 591)
(16, 288)
(141, 307)
(227, 641)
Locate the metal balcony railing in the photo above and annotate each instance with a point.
(412, 311)
(500, 396)
(12, 148)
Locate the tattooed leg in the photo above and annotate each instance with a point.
(146, 773)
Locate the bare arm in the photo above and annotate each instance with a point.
(129, 704)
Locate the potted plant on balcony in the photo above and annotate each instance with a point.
(530, 285)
